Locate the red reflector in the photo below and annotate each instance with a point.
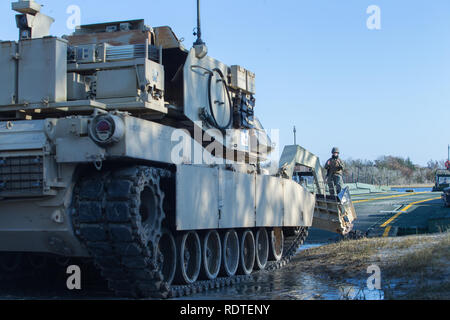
(103, 126)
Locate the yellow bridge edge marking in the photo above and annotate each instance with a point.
(387, 223)
(386, 232)
(390, 197)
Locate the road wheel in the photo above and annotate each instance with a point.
(189, 257)
(262, 249)
(247, 253)
(211, 255)
(37, 261)
(230, 253)
(276, 244)
(168, 248)
(10, 262)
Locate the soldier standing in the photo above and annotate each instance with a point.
(335, 170)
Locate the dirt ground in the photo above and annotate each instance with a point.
(414, 267)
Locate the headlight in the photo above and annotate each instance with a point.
(106, 129)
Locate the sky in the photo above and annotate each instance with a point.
(318, 66)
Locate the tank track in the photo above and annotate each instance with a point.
(106, 219)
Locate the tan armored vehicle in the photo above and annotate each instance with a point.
(119, 145)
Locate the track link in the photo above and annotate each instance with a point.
(107, 219)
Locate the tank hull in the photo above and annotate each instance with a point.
(27, 226)
(205, 197)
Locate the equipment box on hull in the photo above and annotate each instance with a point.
(8, 74)
(38, 81)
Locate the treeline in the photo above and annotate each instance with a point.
(389, 170)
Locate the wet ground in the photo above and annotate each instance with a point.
(292, 282)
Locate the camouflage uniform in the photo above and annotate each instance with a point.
(335, 170)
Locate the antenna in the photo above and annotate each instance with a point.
(201, 50)
(198, 33)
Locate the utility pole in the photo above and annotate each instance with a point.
(447, 164)
(295, 137)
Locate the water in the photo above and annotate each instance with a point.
(291, 283)
(355, 293)
(309, 246)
